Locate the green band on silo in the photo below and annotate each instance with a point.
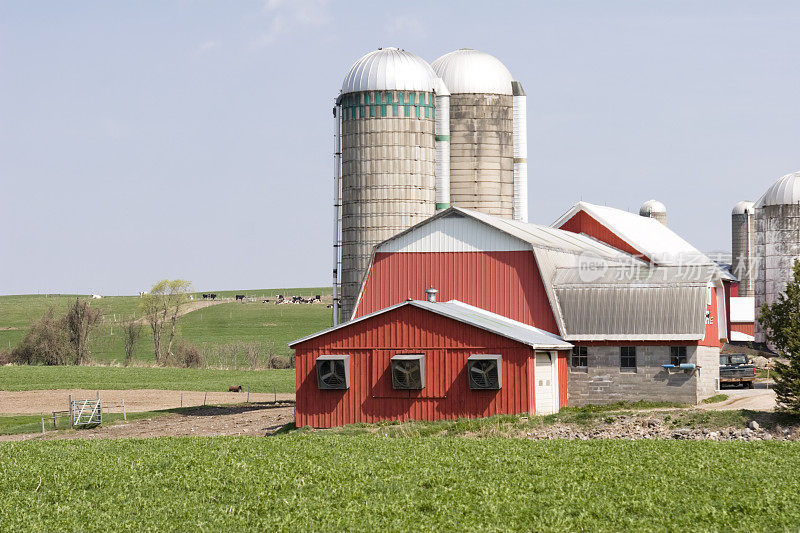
(442, 206)
(520, 160)
(442, 137)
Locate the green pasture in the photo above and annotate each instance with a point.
(328, 482)
(18, 378)
(268, 324)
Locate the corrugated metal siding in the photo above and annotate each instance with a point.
(630, 312)
(506, 283)
(744, 327)
(446, 345)
(454, 234)
(582, 222)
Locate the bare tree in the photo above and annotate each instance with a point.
(79, 321)
(163, 303)
(131, 331)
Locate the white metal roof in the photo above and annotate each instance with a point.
(470, 71)
(431, 235)
(389, 69)
(743, 309)
(738, 336)
(651, 207)
(743, 207)
(647, 235)
(474, 316)
(783, 192)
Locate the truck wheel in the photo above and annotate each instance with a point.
(750, 384)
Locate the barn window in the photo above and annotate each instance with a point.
(408, 371)
(485, 372)
(580, 358)
(333, 372)
(627, 358)
(677, 355)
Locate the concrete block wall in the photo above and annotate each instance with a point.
(604, 382)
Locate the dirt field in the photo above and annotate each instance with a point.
(47, 401)
(253, 419)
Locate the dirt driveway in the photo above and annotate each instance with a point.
(47, 401)
(759, 398)
(251, 419)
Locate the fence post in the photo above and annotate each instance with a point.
(275, 391)
(54, 420)
(42, 425)
(70, 411)
(181, 400)
(124, 414)
(248, 394)
(205, 396)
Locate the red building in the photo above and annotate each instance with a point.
(643, 311)
(428, 361)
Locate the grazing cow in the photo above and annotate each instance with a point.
(235, 388)
(205, 297)
(212, 296)
(239, 297)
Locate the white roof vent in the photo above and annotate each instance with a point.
(430, 294)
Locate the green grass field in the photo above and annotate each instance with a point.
(16, 378)
(367, 483)
(271, 325)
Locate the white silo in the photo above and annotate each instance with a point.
(488, 135)
(777, 241)
(742, 243)
(654, 209)
(384, 162)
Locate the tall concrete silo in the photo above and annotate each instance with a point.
(384, 166)
(742, 242)
(777, 241)
(488, 134)
(654, 209)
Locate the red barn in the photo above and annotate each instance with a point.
(643, 311)
(428, 361)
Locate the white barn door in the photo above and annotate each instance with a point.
(545, 391)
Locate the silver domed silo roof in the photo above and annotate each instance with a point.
(467, 71)
(389, 69)
(785, 191)
(743, 207)
(652, 207)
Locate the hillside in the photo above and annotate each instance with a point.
(210, 328)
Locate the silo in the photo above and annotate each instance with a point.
(742, 229)
(485, 106)
(654, 209)
(385, 159)
(777, 241)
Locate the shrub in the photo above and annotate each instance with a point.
(46, 343)
(187, 355)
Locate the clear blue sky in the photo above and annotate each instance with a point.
(142, 139)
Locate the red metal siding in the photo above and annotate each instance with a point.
(728, 290)
(562, 378)
(734, 289)
(506, 283)
(446, 344)
(744, 327)
(712, 322)
(582, 222)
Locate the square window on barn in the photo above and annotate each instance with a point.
(333, 372)
(485, 372)
(627, 358)
(677, 355)
(408, 371)
(580, 358)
